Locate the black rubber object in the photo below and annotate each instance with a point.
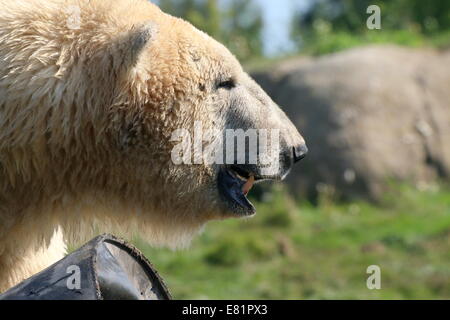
(108, 268)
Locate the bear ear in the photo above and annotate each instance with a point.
(138, 38)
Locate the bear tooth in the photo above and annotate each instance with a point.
(236, 175)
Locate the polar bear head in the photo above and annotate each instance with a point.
(195, 127)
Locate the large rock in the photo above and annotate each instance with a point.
(369, 115)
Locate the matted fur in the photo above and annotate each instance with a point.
(86, 117)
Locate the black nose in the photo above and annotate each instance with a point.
(300, 152)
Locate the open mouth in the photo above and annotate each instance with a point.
(235, 182)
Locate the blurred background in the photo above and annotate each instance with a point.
(374, 107)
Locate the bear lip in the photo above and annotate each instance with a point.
(230, 189)
(234, 183)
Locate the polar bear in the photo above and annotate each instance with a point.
(91, 93)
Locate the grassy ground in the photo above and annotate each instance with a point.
(293, 250)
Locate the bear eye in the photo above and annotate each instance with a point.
(227, 84)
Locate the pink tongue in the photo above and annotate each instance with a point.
(248, 185)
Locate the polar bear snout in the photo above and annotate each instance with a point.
(290, 156)
(299, 152)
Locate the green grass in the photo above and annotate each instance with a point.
(293, 250)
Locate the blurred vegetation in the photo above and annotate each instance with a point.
(325, 26)
(293, 250)
(333, 25)
(237, 24)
